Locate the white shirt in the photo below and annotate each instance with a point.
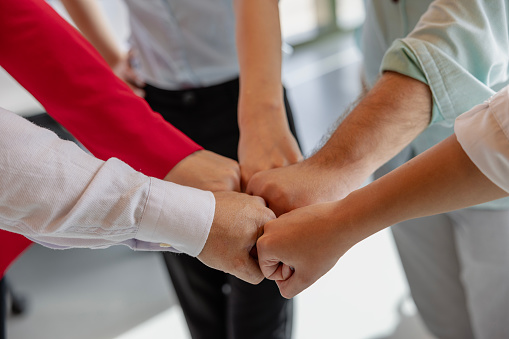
(57, 195)
(184, 43)
(483, 133)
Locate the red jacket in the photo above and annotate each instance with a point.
(50, 59)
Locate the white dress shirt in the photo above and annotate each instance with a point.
(483, 132)
(184, 43)
(57, 195)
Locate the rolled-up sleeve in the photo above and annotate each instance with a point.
(458, 48)
(57, 195)
(483, 134)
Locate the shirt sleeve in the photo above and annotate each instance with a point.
(458, 48)
(483, 134)
(57, 195)
(70, 79)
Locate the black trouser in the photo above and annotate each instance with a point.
(216, 304)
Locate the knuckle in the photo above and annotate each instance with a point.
(232, 173)
(259, 200)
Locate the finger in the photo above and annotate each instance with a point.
(261, 230)
(134, 81)
(246, 173)
(132, 77)
(281, 273)
(271, 269)
(252, 187)
(291, 287)
(268, 261)
(286, 271)
(137, 90)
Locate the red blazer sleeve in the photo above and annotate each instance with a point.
(11, 246)
(51, 59)
(70, 79)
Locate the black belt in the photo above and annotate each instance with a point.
(191, 96)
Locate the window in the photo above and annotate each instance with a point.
(304, 20)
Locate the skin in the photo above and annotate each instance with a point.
(238, 223)
(89, 18)
(389, 117)
(312, 239)
(207, 171)
(238, 218)
(265, 138)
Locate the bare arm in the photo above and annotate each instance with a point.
(91, 21)
(313, 238)
(391, 115)
(439, 180)
(89, 18)
(265, 138)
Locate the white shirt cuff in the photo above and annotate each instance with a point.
(177, 216)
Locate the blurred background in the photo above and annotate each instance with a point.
(117, 293)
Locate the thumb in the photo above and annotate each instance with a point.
(270, 263)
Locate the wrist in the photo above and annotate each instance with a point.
(263, 120)
(355, 218)
(371, 209)
(343, 170)
(344, 224)
(261, 110)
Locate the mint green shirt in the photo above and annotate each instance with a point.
(459, 48)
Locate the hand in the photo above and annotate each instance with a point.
(238, 222)
(207, 171)
(305, 183)
(266, 145)
(124, 70)
(299, 247)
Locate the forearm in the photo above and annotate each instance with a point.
(53, 192)
(439, 180)
(259, 52)
(388, 118)
(436, 181)
(90, 20)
